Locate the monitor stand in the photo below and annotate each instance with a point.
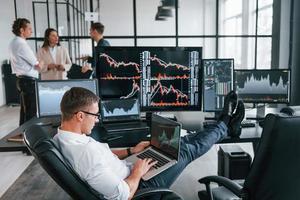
(260, 111)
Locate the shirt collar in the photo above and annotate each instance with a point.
(20, 38)
(74, 136)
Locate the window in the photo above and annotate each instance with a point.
(239, 29)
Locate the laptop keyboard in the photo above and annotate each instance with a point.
(150, 154)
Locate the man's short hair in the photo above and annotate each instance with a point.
(76, 99)
(98, 27)
(18, 24)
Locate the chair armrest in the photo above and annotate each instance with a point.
(148, 192)
(223, 181)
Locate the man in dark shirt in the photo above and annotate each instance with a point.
(96, 33)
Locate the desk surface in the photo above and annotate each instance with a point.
(248, 135)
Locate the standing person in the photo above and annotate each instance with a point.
(26, 67)
(55, 57)
(96, 33)
(104, 170)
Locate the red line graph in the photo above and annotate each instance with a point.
(113, 63)
(166, 65)
(163, 90)
(169, 104)
(109, 76)
(135, 89)
(166, 77)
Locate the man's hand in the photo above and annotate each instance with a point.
(140, 147)
(141, 167)
(85, 68)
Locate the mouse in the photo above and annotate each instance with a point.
(288, 110)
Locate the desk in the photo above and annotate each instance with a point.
(116, 139)
(98, 133)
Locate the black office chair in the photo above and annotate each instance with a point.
(45, 150)
(275, 171)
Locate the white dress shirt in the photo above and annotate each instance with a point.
(22, 58)
(95, 163)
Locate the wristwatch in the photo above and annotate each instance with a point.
(128, 151)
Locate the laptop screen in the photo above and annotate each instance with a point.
(165, 135)
(120, 110)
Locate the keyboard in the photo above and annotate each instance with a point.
(150, 154)
(247, 123)
(116, 127)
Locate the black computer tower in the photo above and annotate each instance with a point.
(233, 162)
(11, 92)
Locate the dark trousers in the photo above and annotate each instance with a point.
(26, 88)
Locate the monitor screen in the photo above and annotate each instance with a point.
(120, 109)
(263, 86)
(217, 82)
(49, 94)
(165, 135)
(163, 78)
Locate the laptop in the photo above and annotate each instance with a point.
(164, 146)
(121, 115)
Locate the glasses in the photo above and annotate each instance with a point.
(93, 114)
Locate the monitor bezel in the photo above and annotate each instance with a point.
(266, 102)
(203, 80)
(38, 109)
(166, 48)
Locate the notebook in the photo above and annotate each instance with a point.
(164, 145)
(121, 115)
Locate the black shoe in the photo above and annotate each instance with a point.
(230, 103)
(234, 126)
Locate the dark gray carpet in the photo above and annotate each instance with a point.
(35, 184)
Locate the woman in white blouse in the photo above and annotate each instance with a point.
(55, 57)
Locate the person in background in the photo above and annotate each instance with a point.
(55, 57)
(105, 170)
(26, 67)
(96, 33)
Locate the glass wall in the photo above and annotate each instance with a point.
(239, 29)
(67, 17)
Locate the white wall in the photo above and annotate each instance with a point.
(7, 18)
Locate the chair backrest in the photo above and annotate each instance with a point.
(45, 150)
(275, 171)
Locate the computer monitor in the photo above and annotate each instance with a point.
(163, 78)
(263, 86)
(49, 94)
(120, 110)
(217, 82)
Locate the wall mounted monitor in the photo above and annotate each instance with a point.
(217, 82)
(263, 86)
(163, 78)
(49, 94)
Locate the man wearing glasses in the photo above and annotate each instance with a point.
(103, 168)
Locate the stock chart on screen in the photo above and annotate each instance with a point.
(217, 82)
(162, 78)
(263, 86)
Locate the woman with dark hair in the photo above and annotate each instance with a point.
(55, 57)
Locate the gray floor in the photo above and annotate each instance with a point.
(14, 163)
